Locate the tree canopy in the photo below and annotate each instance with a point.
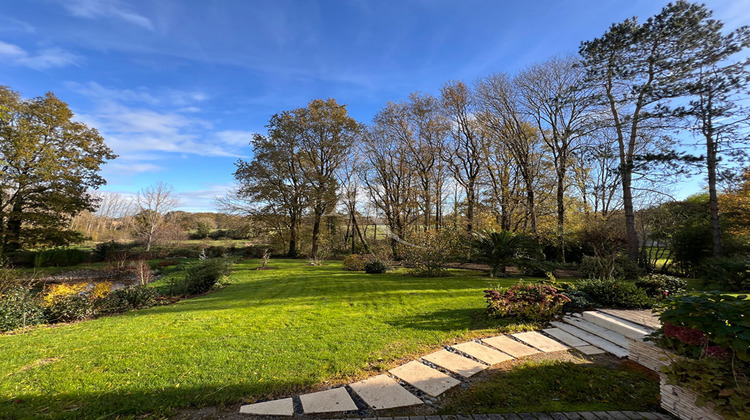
(48, 163)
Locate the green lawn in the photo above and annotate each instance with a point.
(549, 386)
(270, 333)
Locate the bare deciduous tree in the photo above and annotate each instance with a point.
(153, 203)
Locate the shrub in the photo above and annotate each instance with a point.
(376, 267)
(709, 331)
(499, 249)
(624, 268)
(579, 301)
(57, 292)
(60, 257)
(730, 274)
(536, 268)
(659, 286)
(101, 289)
(18, 309)
(71, 308)
(167, 263)
(142, 271)
(127, 299)
(612, 293)
(534, 302)
(200, 277)
(433, 251)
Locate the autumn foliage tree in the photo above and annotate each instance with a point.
(48, 164)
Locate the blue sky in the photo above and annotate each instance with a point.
(178, 87)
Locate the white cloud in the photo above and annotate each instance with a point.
(235, 137)
(43, 59)
(203, 199)
(170, 98)
(121, 168)
(112, 9)
(138, 133)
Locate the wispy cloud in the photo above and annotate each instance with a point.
(166, 97)
(141, 123)
(12, 25)
(110, 9)
(41, 60)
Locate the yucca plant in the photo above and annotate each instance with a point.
(502, 248)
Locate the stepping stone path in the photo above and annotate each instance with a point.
(455, 363)
(482, 353)
(329, 401)
(381, 392)
(510, 346)
(426, 379)
(591, 333)
(541, 342)
(284, 407)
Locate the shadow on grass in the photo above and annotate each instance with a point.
(136, 403)
(555, 386)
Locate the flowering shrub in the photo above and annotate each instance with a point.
(57, 292)
(535, 301)
(711, 333)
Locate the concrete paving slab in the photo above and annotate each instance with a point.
(590, 350)
(283, 407)
(428, 380)
(565, 337)
(328, 401)
(541, 342)
(485, 354)
(455, 363)
(381, 392)
(510, 346)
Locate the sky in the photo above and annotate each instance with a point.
(178, 87)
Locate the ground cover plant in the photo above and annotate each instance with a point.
(249, 340)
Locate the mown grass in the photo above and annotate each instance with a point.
(272, 332)
(554, 386)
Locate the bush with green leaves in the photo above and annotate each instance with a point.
(127, 299)
(19, 309)
(502, 248)
(70, 308)
(200, 277)
(531, 301)
(579, 301)
(624, 268)
(60, 257)
(611, 293)
(377, 267)
(659, 286)
(711, 333)
(731, 274)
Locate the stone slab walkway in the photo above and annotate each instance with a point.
(455, 363)
(483, 353)
(541, 342)
(442, 370)
(381, 392)
(283, 407)
(510, 346)
(329, 401)
(426, 379)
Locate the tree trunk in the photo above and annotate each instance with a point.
(627, 200)
(316, 233)
(470, 198)
(561, 217)
(13, 233)
(531, 202)
(293, 222)
(713, 200)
